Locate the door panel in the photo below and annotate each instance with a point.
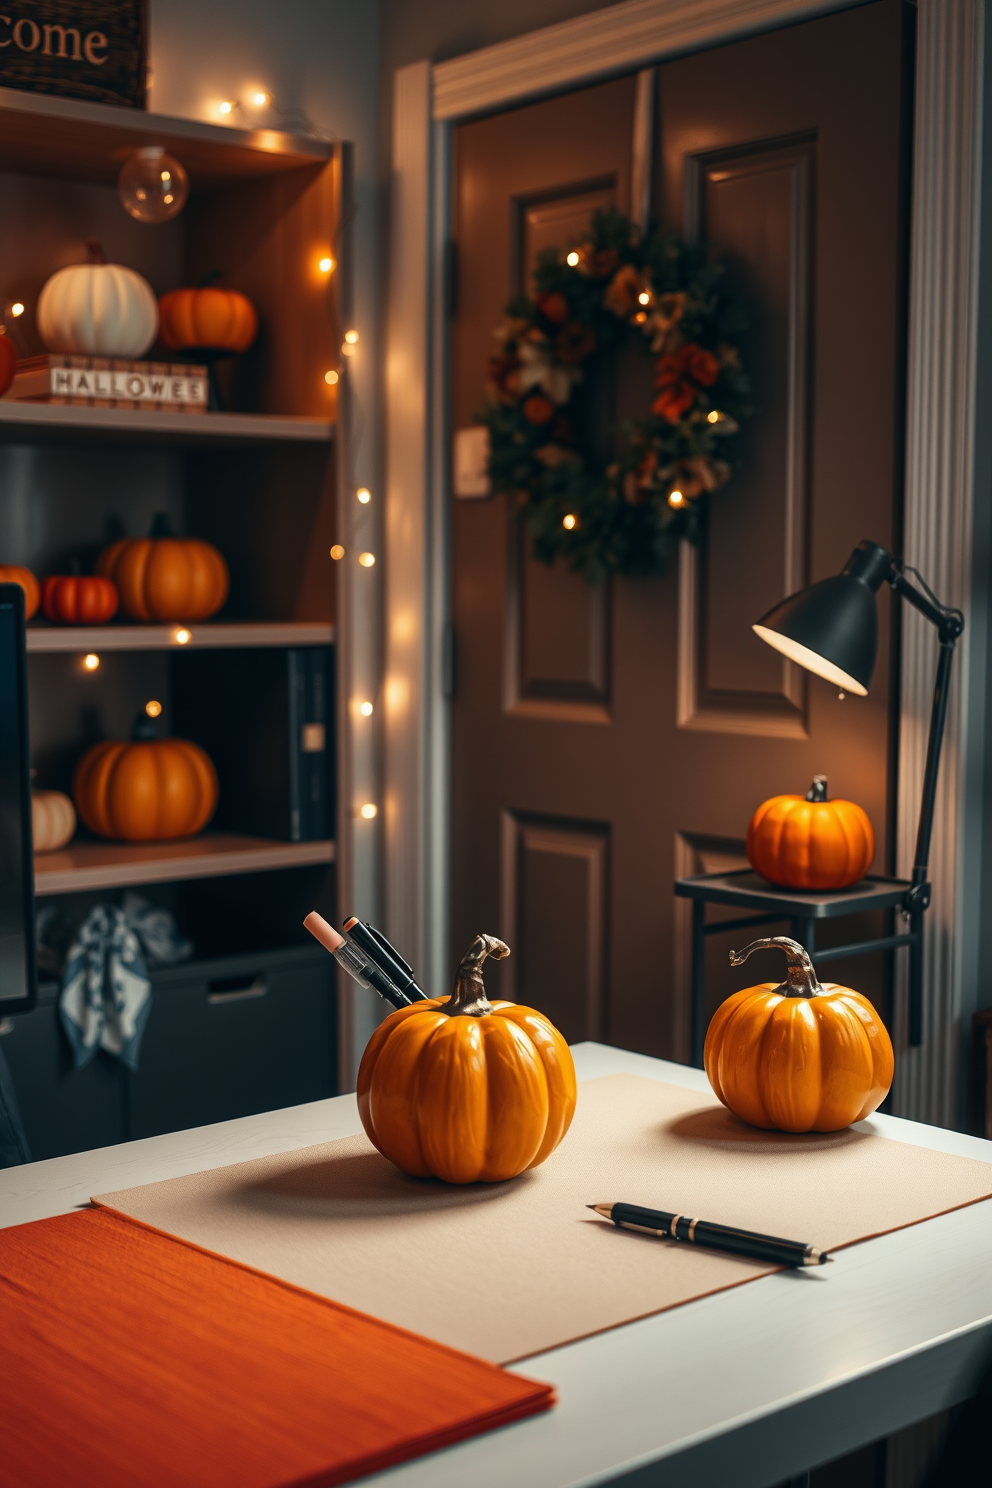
(606, 738)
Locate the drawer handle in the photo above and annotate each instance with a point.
(236, 989)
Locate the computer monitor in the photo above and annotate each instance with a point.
(18, 979)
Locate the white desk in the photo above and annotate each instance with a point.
(747, 1387)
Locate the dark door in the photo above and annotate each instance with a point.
(608, 738)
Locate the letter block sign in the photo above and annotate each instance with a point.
(93, 49)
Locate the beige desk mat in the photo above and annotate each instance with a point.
(508, 1270)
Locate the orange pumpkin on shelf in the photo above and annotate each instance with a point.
(78, 599)
(145, 790)
(808, 842)
(463, 1089)
(207, 319)
(797, 1056)
(164, 577)
(8, 363)
(13, 573)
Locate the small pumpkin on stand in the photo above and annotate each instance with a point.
(147, 789)
(165, 577)
(78, 599)
(810, 842)
(797, 1056)
(53, 820)
(463, 1089)
(210, 323)
(97, 309)
(14, 573)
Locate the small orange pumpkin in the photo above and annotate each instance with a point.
(145, 790)
(8, 363)
(78, 599)
(53, 820)
(463, 1089)
(797, 1056)
(13, 573)
(207, 319)
(808, 842)
(164, 577)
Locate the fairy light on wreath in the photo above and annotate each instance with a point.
(625, 515)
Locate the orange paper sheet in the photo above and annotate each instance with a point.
(130, 1358)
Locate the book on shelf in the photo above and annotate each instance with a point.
(111, 382)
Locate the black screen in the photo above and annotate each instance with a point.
(17, 963)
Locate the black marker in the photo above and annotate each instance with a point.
(365, 971)
(377, 948)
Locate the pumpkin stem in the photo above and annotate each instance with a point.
(211, 278)
(161, 526)
(144, 728)
(818, 790)
(95, 253)
(469, 997)
(800, 979)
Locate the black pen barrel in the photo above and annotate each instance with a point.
(768, 1248)
(381, 953)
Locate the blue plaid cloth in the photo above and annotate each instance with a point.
(106, 992)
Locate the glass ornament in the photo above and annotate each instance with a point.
(152, 185)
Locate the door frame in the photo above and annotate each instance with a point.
(947, 458)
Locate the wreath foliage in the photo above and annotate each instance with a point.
(546, 383)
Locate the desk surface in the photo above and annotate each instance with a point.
(750, 1386)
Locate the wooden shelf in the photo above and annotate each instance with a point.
(113, 865)
(55, 423)
(46, 135)
(204, 636)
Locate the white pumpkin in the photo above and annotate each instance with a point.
(53, 820)
(98, 309)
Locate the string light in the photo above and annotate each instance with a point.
(570, 521)
(260, 99)
(337, 552)
(226, 106)
(364, 495)
(675, 498)
(182, 637)
(326, 264)
(644, 298)
(572, 259)
(351, 337)
(153, 709)
(16, 309)
(369, 810)
(365, 709)
(330, 377)
(714, 416)
(91, 661)
(366, 559)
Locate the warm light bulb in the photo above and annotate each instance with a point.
(337, 552)
(713, 417)
(570, 521)
(152, 185)
(351, 337)
(182, 637)
(364, 495)
(369, 810)
(153, 709)
(91, 661)
(644, 298)
(366, 559)
(326, 265)
(572, 259)
(260, 99)
(675, 498)
(347, 349)
(640, 317)
(226, 107)
(365, 709)
(330, 377)
(17, 309)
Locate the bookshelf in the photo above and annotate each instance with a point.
(204, 635)
(84, 865)
(45, 423)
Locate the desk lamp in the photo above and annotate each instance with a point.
(831, 629)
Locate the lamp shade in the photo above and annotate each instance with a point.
(831, 628)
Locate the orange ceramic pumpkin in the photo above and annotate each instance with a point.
(208, 319)
(798, 1056)
(164, 577)
(808, 842)
(8, 363)
(464, 1089)
(148, 790)
(78, 599)
(13, 573)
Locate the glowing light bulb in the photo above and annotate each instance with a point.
(351, 337)
(644, 298)
(675, 498)
(369, 810)
(182, 637)
(364, 495)
(570, 521)
(337, 552)
(347, 349)
(260, 99)
(152, 186)
(572, 259)
(91, 661)
(226, 106)
(326, 265)
(153, 709)
(713, 417)
(16, 309)
(366, 559)
(640, 317)
(365, 709)
(330, 377)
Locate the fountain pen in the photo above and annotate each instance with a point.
(667, 1226)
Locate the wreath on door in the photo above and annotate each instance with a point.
(627, 514)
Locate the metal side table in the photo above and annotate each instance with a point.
(745, 890)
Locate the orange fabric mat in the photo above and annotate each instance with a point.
(127, 1357)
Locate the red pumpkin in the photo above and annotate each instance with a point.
(85, 599)
(13, 573)
(8, 363)
(208, 319)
